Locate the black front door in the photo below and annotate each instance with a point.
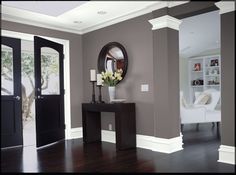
(11, 111)
(49, 91)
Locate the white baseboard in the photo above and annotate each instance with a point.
(147, 142)
(108, 136)
(227, 154)
(76, 133)
(160, 144)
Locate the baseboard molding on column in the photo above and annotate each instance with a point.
(160, 144)
(76, 133)
(227, 154)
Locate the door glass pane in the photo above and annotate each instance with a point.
(7, 71)
(50, 81)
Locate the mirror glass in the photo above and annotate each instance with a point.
(112, 57)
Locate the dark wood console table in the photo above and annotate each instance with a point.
(125, 124)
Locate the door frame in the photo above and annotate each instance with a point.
(66, 48)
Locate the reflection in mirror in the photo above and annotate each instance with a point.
(50, 80)
(112, 57)
(6, 70)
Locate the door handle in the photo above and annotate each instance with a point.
(40, 97)
(17, 97)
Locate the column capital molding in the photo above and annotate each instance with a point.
(225, 6)
(165, 21)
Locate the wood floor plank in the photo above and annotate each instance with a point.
(200, 154)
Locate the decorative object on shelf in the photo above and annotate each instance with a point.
(93, 80)
(92, 75)
(112, 92)
(112, 57)
(93, 92)
(99, 85)
(100, 94)
(99, 79)
(197, 82)
(197, 67)
(214, 62)
(111, 79)
(215, 72)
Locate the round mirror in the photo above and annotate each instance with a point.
(112, 57)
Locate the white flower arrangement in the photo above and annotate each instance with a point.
(110, 78)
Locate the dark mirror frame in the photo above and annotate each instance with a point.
(103, 53)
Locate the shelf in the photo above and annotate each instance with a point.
(212, 85)
(197, 86)
(197, 71)
(212, 66)
(213, 75)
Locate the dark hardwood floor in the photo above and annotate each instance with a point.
(200, 154)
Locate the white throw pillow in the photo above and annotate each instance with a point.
(202, 99)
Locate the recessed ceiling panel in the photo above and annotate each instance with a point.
(78, 16)
(51, 8)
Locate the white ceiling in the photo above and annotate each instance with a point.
(78, 16)
(49, 8)
(199, 34)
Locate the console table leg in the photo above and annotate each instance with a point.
(91, 126)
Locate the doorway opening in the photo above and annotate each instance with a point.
(200, 77)
(28, 92)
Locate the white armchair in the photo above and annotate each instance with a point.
(191, 114)
(200, 113)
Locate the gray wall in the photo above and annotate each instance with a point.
(228, 79)
(136, 36)
(76, 72)
(166, 82)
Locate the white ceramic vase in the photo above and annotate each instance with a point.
(112, 92)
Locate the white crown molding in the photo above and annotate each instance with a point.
(227, 154)
(176, 3)
(165, 21)
(128, 16)
(147, 142)
(225, 6)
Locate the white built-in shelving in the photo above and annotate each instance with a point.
(204, 73)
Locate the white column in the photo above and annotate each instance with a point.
(166, 139)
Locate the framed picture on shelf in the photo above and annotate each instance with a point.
(197, 66)
(214, 62)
